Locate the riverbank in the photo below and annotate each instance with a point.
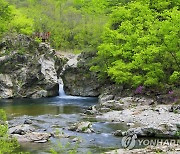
(147, 121)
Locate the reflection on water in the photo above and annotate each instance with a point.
(42, 106)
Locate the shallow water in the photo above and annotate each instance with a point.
(56, 114)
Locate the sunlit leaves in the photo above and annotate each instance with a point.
(147, 41)
(5, 16)
(175, 77)
(21, 24)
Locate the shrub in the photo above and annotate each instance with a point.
(7, 144)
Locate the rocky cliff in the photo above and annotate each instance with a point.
(27, 68)
(77, 78)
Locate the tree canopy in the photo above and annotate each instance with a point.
(73, 24)
(13, 20)
(5, 15)
(141, 44)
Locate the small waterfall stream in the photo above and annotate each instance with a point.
(61, 91)
(62, 94)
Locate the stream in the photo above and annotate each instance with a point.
(55, 115)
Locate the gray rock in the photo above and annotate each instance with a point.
(112, 104)
(77, 140)
(118, 133)
(85, 127)
(28, 121)
(104, 109)
(48, 69)
(21, 129)
(77, 78)
(130, 124)
(90, 112)
(59, 135)
(130, 101)
(39, 94)
(163, 131)
(36, 137)
(105, 98)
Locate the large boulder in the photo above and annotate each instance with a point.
(27, 69)
(37, 137)
(162, 131)
(21, 129)
(84, 127)
(77, 78)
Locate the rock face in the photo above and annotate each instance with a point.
(27, 69)
(5, 86)
(77, 78)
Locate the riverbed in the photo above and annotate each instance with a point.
(56, 115)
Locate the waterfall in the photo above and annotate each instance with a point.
(61, 91)
(62, 94)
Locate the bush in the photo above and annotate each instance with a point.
(7, 144)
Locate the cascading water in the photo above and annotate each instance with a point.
(63, 95)
(61, 90)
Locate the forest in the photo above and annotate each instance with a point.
(136, 42)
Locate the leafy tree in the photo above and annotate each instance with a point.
(13, 20)
(141, 44)
(21, 24)
(5, 16)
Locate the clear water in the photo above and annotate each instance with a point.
(56, 114)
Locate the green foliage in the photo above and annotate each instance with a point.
(5, 16)
(13, 20)
(7, 145)
(174, 78)
(38, 40)
(73, 24)
(178, 133)
(21, 24)
(141, 44)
